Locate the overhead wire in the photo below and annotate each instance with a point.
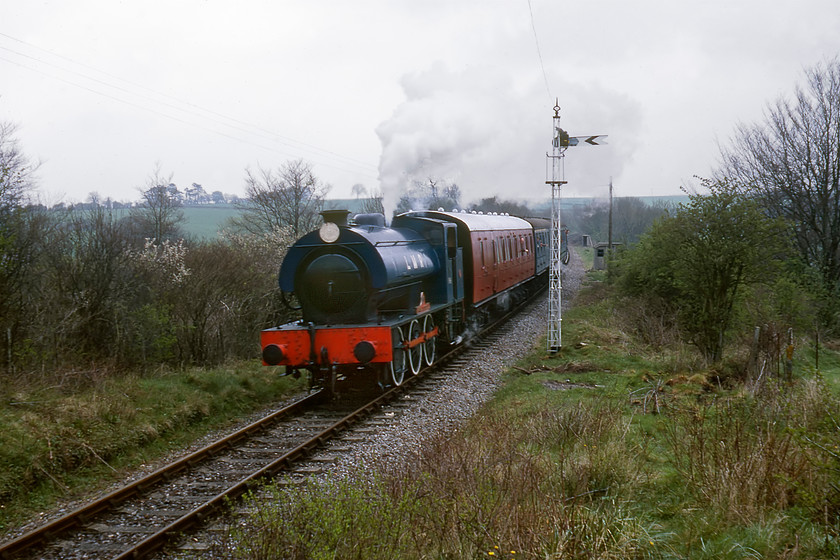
(539, 51)
(191, 109)
(265, 132)
(126, 102)
(271, 133)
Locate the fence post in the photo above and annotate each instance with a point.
(9, 347)
(753, 363)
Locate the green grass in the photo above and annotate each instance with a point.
(59, 442)
(587, 255)
(611, 448)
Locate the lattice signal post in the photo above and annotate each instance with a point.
(556, 178)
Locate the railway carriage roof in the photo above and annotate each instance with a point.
(477, 222)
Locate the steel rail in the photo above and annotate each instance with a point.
(195, 517)
(79, 516)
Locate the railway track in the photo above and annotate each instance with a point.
(143, 517)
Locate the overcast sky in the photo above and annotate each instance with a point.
(387, 92)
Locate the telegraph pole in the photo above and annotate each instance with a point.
(609, 227)
(556, 178)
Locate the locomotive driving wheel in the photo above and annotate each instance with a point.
(415, 354)
(396, 369)
(429, 345)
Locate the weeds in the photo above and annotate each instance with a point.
(746, 456)
(545, 486)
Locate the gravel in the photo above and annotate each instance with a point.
(456, 399)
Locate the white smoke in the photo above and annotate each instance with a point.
(489, 133)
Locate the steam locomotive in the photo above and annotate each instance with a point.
(379, 302)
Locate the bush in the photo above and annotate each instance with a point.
(697, 263)
(89, 299)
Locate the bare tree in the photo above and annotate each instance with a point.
(631, 218)
(90, 268)
(358, 190)
(373, 203)
(17, 172)
(21, 233)
(431, 195)
(791, 163)
(160, 213)
(494, 204)
(289, 196)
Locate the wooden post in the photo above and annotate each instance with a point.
(789, 357)
(817, 350)
(753, 363)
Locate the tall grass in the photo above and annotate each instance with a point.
(544, 486)
(752, 455)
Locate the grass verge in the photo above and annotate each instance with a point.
(59, 443)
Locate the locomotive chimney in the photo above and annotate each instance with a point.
(338, 217)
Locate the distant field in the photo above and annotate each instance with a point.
(205, 222)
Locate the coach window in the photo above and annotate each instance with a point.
(481, 250)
